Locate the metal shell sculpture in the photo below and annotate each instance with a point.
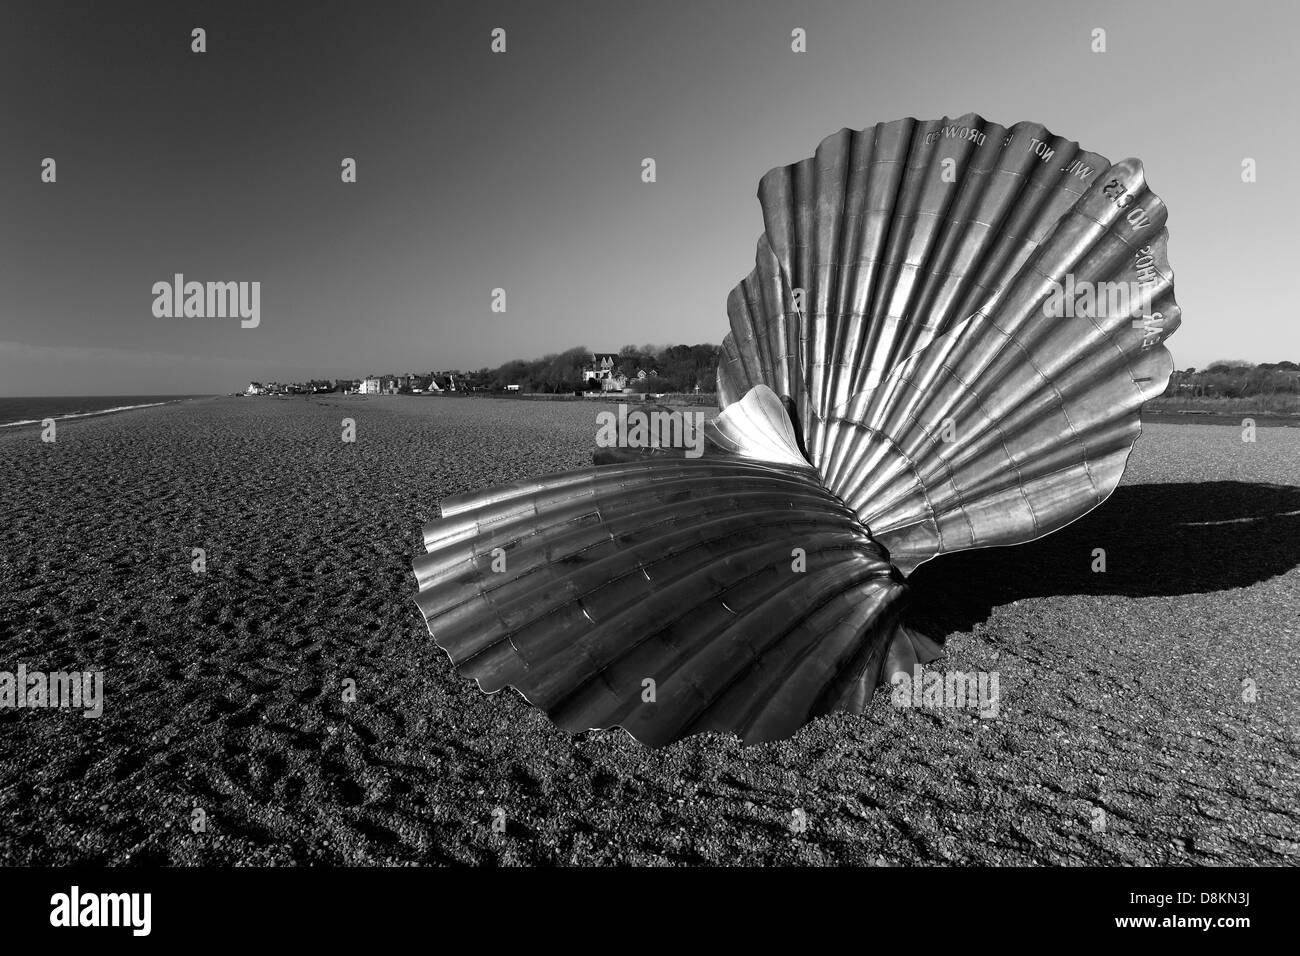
(945, 343)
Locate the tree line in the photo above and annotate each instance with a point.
(676, 368)
(1236, 379)
(680, 368)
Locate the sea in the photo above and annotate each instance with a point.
(33, 411)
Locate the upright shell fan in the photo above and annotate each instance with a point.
(945, 343)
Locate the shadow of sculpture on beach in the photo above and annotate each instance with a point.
(1159, 539)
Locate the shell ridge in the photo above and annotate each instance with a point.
(576, 596)
(512, 580)
(738, 624)
(699, 643)
(911, 464)
(739, 676)
(767, 695)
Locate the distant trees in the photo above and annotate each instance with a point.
(563, 372)
(679, 368)
(1233, 378)
(682, 367)
(557, 372)
(652, 383)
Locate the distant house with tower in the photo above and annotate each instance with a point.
(604, 369)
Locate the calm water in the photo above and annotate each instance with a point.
(23, 411)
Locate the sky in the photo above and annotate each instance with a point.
(522, 170)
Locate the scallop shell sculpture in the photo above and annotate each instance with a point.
(945, 343)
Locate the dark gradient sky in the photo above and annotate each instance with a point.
(523, 170)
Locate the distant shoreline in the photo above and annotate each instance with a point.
(89, 413)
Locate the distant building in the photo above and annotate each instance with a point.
(603, 365)
(604, 369)
(370, 385)
(255, 388)
(512, 388)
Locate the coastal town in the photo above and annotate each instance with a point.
(631, 370)
(1272, 387)
(412, 383)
